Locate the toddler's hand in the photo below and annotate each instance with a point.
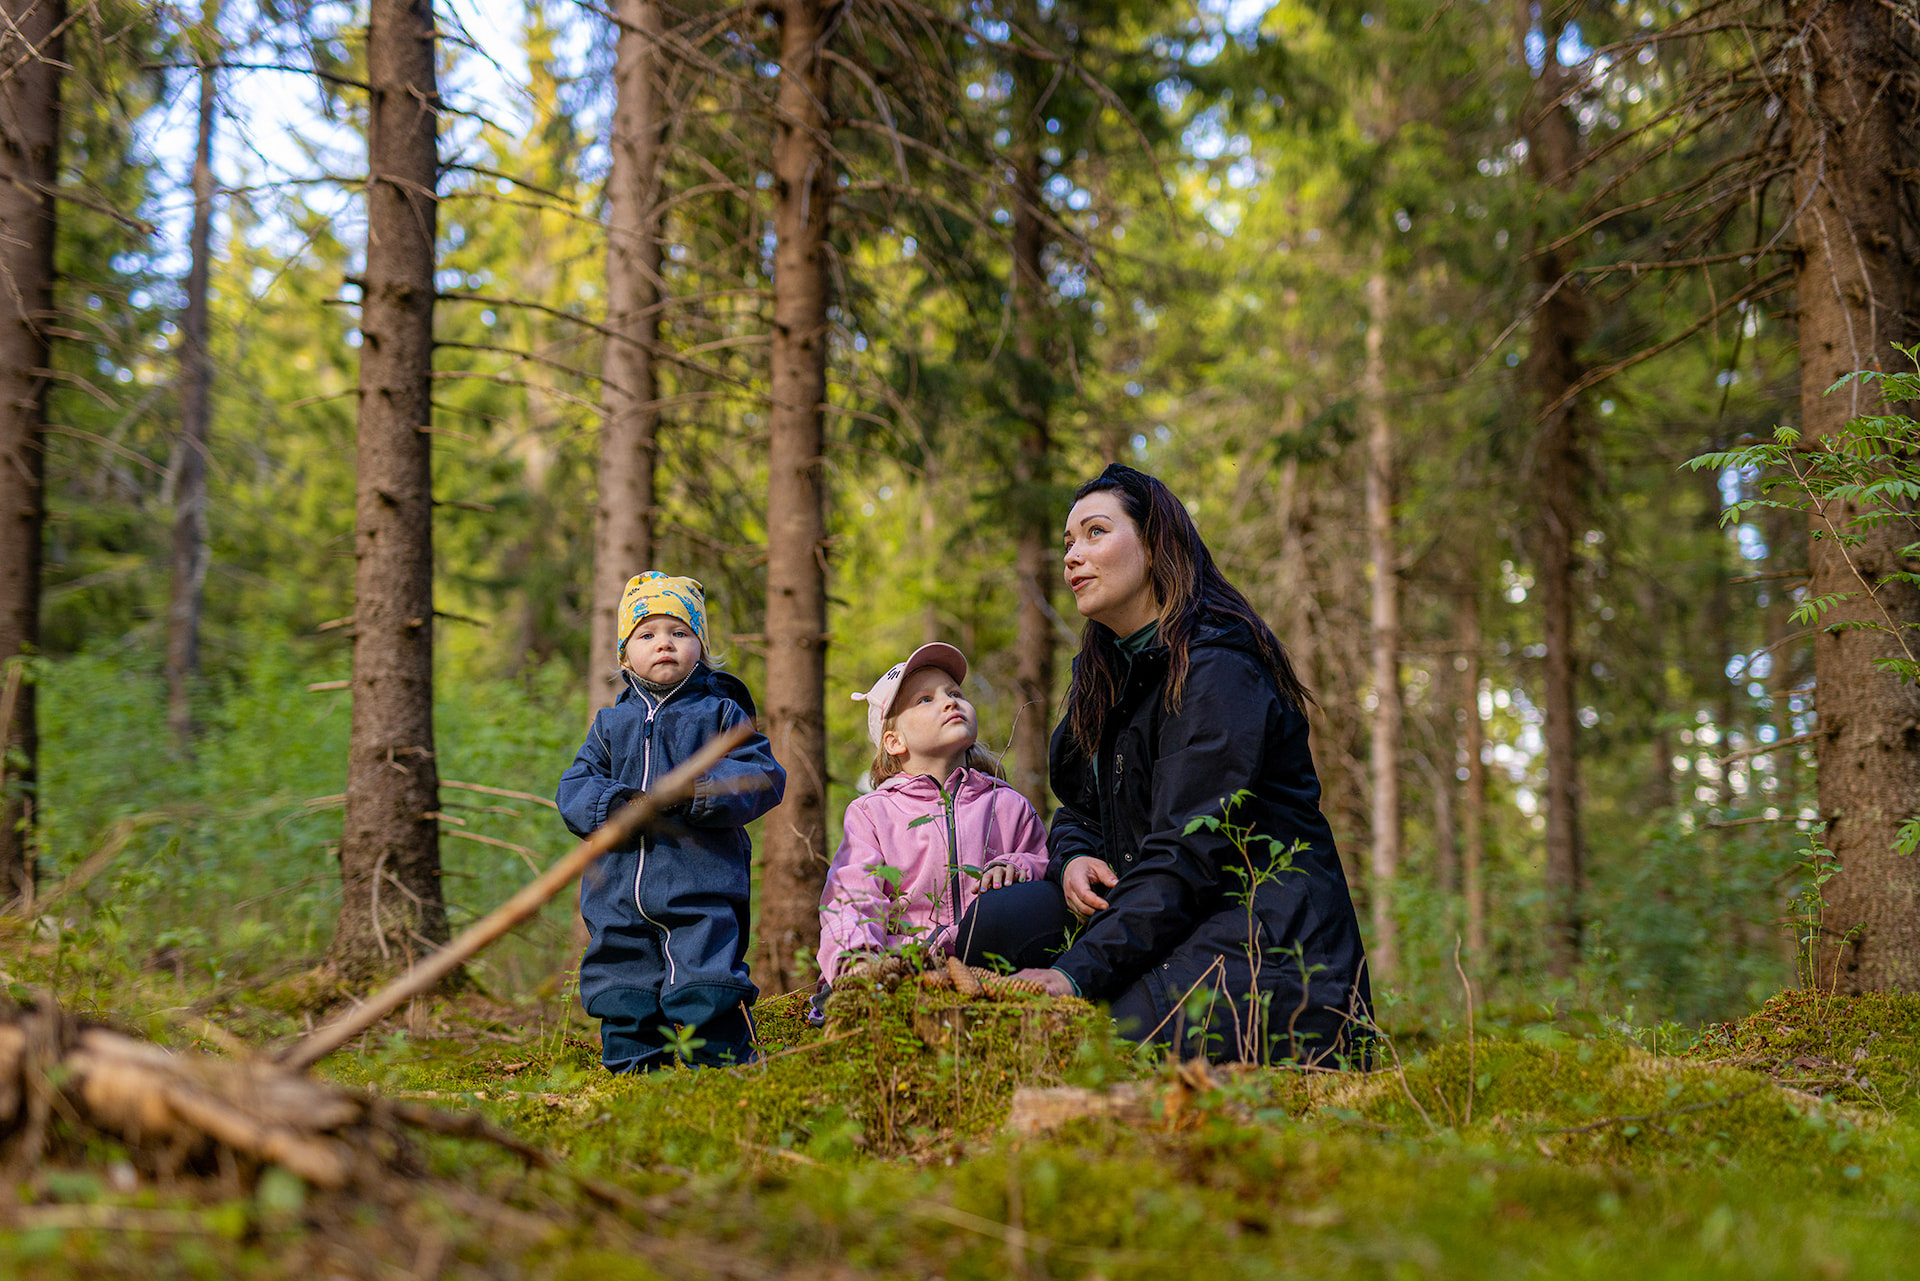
(1000, 874)
(1082, 875)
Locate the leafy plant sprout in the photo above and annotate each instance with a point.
(1251, 1040)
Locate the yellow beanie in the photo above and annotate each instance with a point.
(656, 593)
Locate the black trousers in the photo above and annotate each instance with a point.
(1023, 925)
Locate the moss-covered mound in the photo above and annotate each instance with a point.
(895, 1073)
(1861, 1049)
(1606, 1101)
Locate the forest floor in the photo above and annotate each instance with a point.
(1543, 1144)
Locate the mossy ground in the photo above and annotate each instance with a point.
(876, 1149)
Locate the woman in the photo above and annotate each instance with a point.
(1183, 708)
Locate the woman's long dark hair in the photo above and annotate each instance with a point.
(1191, 590)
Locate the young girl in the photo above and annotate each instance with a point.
(668, 912)
(939, 828)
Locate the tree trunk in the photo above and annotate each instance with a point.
(190, 551)
(1446, 834)
(1384, 948)
(1473, 808)
(630, 415)
(795, 847)
(1295, 609)
(1856, 188)
(31, 48)
(1553, 367)
(391, 906)
(930, 553)
(1035, 565)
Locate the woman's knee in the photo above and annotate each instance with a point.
(1023, 925)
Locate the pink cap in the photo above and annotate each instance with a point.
(879, 699)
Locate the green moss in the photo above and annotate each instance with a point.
(924, 1062)
(1603, 1101)
(779, 1022)
(1862, 1049)
(894, 1073)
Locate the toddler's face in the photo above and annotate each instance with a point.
(931, 717)
(663, 649)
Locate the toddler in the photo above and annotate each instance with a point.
(668, 912)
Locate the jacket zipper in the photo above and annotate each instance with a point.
(646, 781)
(953, 854)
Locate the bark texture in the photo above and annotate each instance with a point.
(31, 48)
(1857, 185)
(1388, 727)
(630, 397)
(794, 850)
(1555, 478)
(1035, 564)
(190, 550)
(391, 906)
(1473, 806)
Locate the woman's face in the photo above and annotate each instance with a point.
(1107, 567)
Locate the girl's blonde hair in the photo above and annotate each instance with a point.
(885, 766)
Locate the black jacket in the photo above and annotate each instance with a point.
(1177, 923)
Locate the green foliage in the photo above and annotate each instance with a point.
(230, 863)
(1863, 479)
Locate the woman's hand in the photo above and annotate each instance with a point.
(999, 874)
(1055, 983)
(1080, 880)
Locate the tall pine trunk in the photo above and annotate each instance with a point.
(1554, 366)
(391, 906)
(1473, 808)
(630, 415)
(190, 551)
(1388, 713)
(1859, 291)
(1035, 566)
(795, 850)
(31, 48)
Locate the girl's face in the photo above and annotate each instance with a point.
(933, 723)
(663, 649)
(1107, 566)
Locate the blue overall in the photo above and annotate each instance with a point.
(668, 912)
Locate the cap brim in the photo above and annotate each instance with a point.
(936, 654)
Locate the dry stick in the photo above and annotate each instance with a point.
(640, 813)
(1472, 1063)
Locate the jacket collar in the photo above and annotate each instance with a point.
(703, 680)
(963, 782)
(1232, 634)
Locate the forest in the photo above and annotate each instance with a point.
(1543, 372)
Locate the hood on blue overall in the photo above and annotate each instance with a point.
(668, 911)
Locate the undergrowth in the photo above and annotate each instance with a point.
(1584, 1155)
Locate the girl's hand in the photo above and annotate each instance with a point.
(999, 874)
(1055, 983)
(1082, 876)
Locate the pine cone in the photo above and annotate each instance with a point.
(1008, 985)
(965, 979)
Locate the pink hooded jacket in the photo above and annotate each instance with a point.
(907, 823)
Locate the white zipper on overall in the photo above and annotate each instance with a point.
(646, 781)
